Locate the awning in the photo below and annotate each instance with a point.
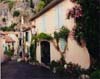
(8, 39)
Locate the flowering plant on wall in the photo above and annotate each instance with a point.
(42, 36)
(75, 12)
(87, 25)
(62, 34)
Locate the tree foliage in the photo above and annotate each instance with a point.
(16, 13)
(33, 51)
(8, 52)
(4, 19)
(42, 36)
(47, 1)
(40, 6)
(8, 28)
(63, 33)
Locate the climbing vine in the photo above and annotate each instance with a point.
(42, 36)
(63, 33)
(87, 17)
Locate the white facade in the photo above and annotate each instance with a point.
(54, 19)
(27, 39)
(2, 43)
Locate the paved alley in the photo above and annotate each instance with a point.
(14, 70)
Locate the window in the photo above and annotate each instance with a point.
(43, 23)
(19, 41)
(59, 20)
(61, 14)
(57, 17)
(27, 35)
(62, 44)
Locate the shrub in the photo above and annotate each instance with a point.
(8, 28)
(40, 6)
(74, 70)
(90, 26)
(9, 53)
(4, 19)
(16, 13)
(58, 68)
(44, 36)
(63, 33)
(71, 70)
(4, 28)
(79, 35)
(95, 74)
(33, 52)
(53, 64)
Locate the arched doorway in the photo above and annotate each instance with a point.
(45, 52)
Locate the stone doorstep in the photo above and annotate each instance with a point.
(45, 66)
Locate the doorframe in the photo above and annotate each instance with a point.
(49, 51)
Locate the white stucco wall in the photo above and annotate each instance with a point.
(54, 54)
(38, 53)
(78, 55)
(27, 43)
(2, 42)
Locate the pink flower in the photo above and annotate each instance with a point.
(76, 12)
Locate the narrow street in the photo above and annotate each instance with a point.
(14, 70)
(50, 39)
